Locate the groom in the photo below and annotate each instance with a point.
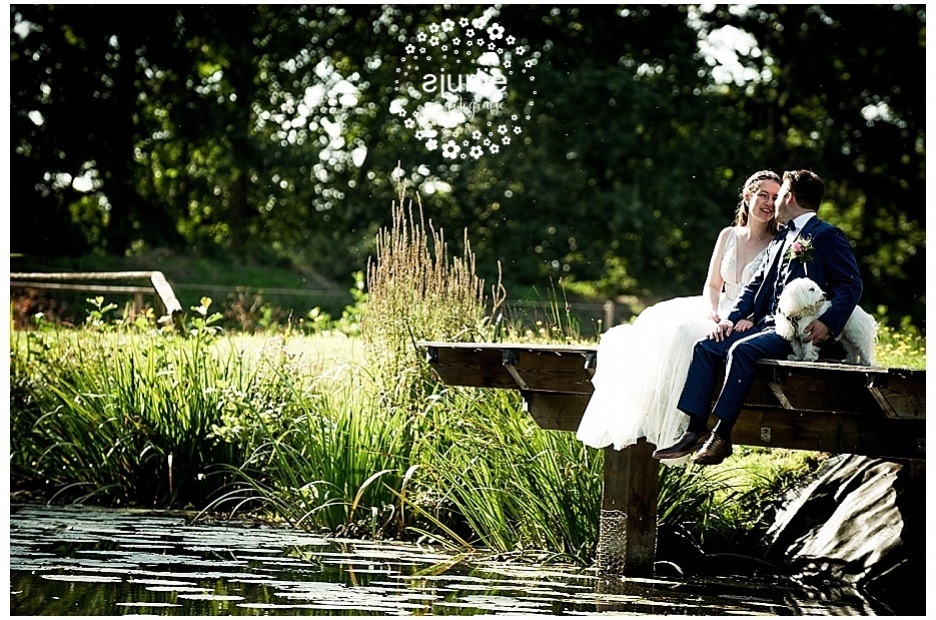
(806, 246)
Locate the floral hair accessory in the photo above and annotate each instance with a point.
(801, 250)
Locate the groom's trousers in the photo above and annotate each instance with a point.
(739, 352)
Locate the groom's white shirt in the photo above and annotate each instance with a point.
(799, 222)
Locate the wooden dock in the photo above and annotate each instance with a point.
(835, 408)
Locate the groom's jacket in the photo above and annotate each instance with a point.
(832, 266)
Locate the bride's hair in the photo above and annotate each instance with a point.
(750, 186)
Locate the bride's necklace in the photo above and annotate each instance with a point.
(766, 235)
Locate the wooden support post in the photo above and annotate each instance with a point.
(627, 531)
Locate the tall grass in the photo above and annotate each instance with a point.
(516, 487)
(338, 463)
(125, 415)
(417, 291)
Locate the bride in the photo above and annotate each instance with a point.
(642, 366)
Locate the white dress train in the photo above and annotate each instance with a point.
(642, 366)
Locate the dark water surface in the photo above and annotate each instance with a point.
(97, 562)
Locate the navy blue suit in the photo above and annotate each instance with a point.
(833, 267)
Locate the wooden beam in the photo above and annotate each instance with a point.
(510, 359)
(556, 412)
(795, 386)
(493, 366)
(871, 434)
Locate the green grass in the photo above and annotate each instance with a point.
(903, 347)
(297, 428)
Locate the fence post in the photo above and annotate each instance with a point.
(609, 314)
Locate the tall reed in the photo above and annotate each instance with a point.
(129, 416)
(340, 462)
(516, 486)
(417, 291)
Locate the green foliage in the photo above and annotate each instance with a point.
(105, 412)
(123, 412)
(516, 487)
(267, 425)
(338, 463)
(267, 131)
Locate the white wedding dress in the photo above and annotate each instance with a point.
(642, 366)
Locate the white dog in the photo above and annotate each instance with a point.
(801, 301)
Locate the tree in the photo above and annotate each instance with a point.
(845, 98)
(275, 131)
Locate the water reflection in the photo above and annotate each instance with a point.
(90, 561)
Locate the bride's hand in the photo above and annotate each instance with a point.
(721, 331)
(743, 325)
(713, 315)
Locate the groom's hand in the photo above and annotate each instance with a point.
(816, 332)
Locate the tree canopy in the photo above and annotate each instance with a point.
(281, 131)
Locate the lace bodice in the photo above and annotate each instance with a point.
(735, 277)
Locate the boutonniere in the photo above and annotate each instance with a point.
(801, 250)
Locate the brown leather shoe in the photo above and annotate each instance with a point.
(713, 452)
(687, 444)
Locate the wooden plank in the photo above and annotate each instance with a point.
(556, 412)
(870, 434)
(510, 346)
(796, 386)
(551, 371)
(899, 394)
(512, 367)
(480, 367)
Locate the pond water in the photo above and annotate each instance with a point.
(95, 562)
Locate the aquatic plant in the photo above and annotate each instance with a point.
(125, 413)
(338, 463)
(514, 486)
